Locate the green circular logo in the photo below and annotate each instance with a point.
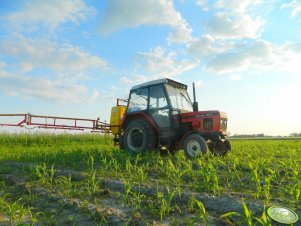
(282, 215)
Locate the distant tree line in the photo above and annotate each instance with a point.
(262, 135)
(295, 135)
(248, 135)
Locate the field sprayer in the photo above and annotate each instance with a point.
(159, 114)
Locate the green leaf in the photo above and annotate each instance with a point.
(230, 214)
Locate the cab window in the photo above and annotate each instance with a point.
(157, 97)
(179, 98)
(138, 100)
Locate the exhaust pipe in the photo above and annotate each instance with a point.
(195, 104)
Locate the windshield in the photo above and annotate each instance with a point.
(179, 98)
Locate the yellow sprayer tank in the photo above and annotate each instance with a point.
(117, 113)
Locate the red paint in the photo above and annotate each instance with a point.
(138, 115)
(196, 119)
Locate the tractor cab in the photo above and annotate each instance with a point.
(160, 100)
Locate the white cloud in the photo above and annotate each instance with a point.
(121, 14)
(35, 54)
(234, 19)
(159, 63)
(237, 6)
(45, 70)
(241, 57)
(50, 13)
(205, 46)
(26, 67)
(181, 33)
(223, 25)
(287, 58)
(28, 87)
(258, 56)
(294, 5)
(203, 4)
(125, 80)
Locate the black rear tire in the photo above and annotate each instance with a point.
(194, 146)
(139, 136)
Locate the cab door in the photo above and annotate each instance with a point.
(159, 107)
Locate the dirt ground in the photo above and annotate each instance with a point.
(109, 208)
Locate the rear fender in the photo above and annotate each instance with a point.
(138, 115)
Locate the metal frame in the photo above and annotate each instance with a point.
(29, 121)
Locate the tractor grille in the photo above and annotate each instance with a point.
(207, 123)
(224, 124)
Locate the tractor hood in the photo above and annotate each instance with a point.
(206, 121)
(203, 114)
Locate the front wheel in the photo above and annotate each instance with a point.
(139, 136)
(194, 146)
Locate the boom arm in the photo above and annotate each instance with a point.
(53, 122)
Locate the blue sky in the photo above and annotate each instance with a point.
(75, 57)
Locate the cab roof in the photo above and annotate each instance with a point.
(160, 81)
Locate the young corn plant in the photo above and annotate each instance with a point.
(92, 184)
(45, 176)
(296, 169)
(210, 181)
(165, 204)
(295, 192)
(104, 162)
(51, 173)
(138, 198)
(65, 184)
(133, 171)
(41, 173)
(247, 216)
(142, 175)
(175, 174)
(15, 211)
(256, 179)
(129, 167)
(128, 185)
(264, 220)
(267, 189)
(91, 162)
(33, 216)
(202, 213)
(21, 213)
(115, 166)
(233, 177)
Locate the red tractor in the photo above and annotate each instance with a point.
(160, 115)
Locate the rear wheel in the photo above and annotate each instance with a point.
(194, 146)
(220, 147)
(139, 137)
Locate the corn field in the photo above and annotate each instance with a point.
(48, 179)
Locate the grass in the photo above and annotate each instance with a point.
(85, 178)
